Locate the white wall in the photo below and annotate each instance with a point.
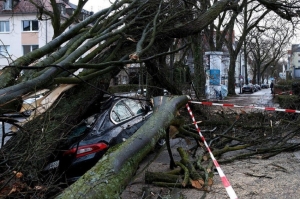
(14, 38)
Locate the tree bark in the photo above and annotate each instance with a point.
(199, 78)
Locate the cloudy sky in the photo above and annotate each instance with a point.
(94, 5)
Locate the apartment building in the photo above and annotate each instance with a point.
(294, 61)
(22, 29)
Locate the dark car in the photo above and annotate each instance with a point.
(118, 119)
(265, 86)
(248, 88)
(257, 87)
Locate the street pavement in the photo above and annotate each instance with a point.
(262, 98)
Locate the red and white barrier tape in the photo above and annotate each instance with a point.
(225, 182)
(254, 107)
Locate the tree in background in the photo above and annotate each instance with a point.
(267, 44)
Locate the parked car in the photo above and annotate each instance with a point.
(248, 88)
(257, 87)
(118, 119)
(265, 86)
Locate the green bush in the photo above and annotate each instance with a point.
(288, 101)
(296, 88)
(283, 87)
(285, 82)
(288, 85)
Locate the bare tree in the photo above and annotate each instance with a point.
(267, 44)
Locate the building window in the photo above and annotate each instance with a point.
(62, 9)
(4, 50)
(30, 25)
(29, 48)
(8, 5)
(4, 26)
(124, 79)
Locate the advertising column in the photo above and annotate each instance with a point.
(213, 74)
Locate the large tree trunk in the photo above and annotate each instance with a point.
(114, 171)
(231, 75)
(199, 76)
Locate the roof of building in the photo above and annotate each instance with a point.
(26, 7)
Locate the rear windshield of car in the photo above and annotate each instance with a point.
(134, 106)
(120, 112)
(126, 109)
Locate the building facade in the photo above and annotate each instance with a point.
(21, 31)
(294, 61)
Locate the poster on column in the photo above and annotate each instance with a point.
(214, 77)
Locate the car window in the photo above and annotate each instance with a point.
(134, 106)
(120, 112)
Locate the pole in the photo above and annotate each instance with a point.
(240, 72)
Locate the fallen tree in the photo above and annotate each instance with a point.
(128, 32)
(112, 173)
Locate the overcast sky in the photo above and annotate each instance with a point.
(94, 5)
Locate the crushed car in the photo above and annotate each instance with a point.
(117, 120)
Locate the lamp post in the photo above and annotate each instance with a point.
(271, 76)
(241, 81)
(240, 77)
